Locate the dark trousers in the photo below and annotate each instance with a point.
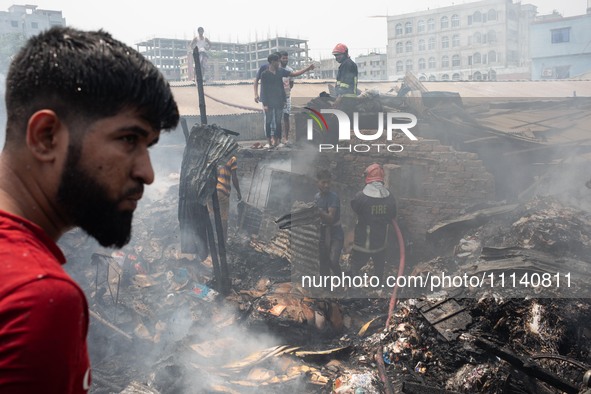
(330, 254)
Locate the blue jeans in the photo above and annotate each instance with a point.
(273, 117)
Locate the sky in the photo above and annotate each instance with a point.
(324, 23)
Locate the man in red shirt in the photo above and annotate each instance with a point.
(83, 109)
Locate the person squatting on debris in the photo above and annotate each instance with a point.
(273, 96)
(202, 44)
(346, 85)
(226, 173)
(375, 207)
(332, 236)
(82, 111)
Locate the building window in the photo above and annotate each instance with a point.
(431, 24)
(409, 46)
(476, 58)
(477, 38)
(492, 36)
(422, 64)
(432, 63)
(14, 23)
(444, 42)
(455, 41)
(399, 67)
(408, 28)
(421, 26)
(477, 76)
(477, 17)
(34, 25)
(455, 20)
(492, 56)
(399, 29)
(444, 22)
(560, 35)
(445, 61)
(399, 47)
(469, 20)
(492, 15)
(455, 77)
(455, 61)
(421, 45)
(409, 65)
(432, 78)
(431, 44)
(445, 77)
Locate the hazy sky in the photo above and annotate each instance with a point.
(323, 22)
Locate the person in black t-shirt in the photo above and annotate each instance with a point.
(273, 96)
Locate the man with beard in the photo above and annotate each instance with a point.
(83, 109)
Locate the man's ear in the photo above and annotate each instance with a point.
(43, 134)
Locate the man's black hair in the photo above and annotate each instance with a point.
(273, 57)
(283, 53)
(84, 76)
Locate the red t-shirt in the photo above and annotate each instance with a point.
(43, 315)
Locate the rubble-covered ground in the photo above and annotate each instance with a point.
(157, 326)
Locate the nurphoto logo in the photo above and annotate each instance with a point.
(394, 121)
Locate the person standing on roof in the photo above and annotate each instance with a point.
(287, 85)
(375, 208)
(347, 74)
(273, 97)
(202, 44)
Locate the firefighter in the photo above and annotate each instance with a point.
(347, 75)
(375, 207)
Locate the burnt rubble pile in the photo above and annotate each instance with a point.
(159, 326)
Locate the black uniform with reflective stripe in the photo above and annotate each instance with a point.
(347, 78)
(373, 218)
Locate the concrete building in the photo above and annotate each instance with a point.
(29, 20)
(327, 69)
(560, 47)
(372, 67)
(227, 61)
(483, 40)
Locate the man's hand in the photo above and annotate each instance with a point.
(257, 98)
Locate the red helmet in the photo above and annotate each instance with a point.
(340, 48)
(374, 173)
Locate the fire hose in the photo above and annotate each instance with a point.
(393, 300)
(393, 297)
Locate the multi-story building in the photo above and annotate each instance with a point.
(226, 60)
(28, 20)
(560, 47)
(481, 40)
(327, 69)
(372, 67)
